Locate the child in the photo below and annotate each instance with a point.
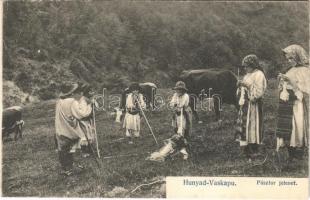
(134, 104)
(182, 116)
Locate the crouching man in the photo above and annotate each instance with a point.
(72, 130)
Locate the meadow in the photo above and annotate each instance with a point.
(30, 166)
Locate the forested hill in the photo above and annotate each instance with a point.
(109, 44)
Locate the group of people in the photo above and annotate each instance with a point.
(74, 111)
(292, 129)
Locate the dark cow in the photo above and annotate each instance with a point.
(148, 91)
(12, 122)
(218, 85)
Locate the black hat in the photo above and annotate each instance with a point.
(180, 85)
(67, 91)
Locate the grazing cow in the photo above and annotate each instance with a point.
(148, 91)
(12, 122)
(219, 84)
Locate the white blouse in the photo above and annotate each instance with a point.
(257, 82)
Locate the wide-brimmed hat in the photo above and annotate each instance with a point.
(135, 86)
(180, 85)
(68, 90)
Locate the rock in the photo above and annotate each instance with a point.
(119, 192)
(234, 172)
(13, 95)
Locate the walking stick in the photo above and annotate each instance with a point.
(181, 122)
(147, 122)
(92, 150)
(95, 129)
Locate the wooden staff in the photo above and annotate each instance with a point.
(95, 130)
(147, 122)
(181, 121)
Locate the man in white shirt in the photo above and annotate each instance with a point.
(71, 131)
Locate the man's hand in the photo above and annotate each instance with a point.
(88, 100)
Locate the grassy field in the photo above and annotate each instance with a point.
(31, 167)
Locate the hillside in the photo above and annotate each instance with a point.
(110, 44)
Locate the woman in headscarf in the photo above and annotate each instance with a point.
(252, 89)
(293, 113)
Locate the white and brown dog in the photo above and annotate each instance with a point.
(172, 145)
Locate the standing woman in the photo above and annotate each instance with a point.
(253, 87)
(134, 104)
(293, 114)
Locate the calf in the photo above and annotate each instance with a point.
(12, 122)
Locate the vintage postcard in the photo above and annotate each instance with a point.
(155, 99)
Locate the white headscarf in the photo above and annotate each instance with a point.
(298, 54)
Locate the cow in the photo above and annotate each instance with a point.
(12, 122)
(148, 90)
(219, 84)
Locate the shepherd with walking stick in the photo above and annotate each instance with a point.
(182, 117)
(134, 107)
(72, 123)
